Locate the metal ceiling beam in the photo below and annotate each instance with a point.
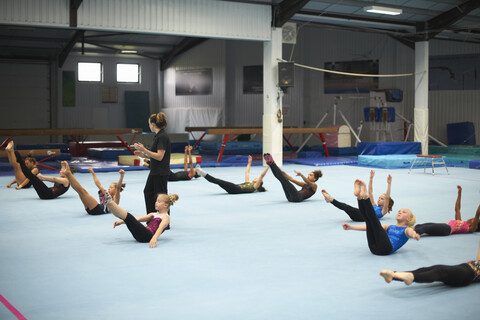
(74, 5)
(66, 51)
(432, 27)
(183, 46)
(286, 10)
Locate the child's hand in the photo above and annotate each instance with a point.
(372, 174)
(346, 226)
(117, 223)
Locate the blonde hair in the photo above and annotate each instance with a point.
(169, 198)
(412, 221)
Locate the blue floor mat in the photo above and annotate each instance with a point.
(250, 256)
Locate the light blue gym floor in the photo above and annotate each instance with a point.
(251, 256)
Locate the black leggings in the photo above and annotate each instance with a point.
(457, 276)
(378, 240)
(43, 191)
(231, 188)
(138, 230)
(433, 229)
(292, 194)
(353, 213)
(155, 184)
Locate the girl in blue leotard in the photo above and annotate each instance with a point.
(382, 239)
(383, 206)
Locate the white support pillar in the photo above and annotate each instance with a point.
(421, 95)
(272, 98)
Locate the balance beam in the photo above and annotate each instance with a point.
(227, 131)
(72, 132)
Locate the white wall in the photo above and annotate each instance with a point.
(89, 111)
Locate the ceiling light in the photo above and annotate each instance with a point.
(128, 51)
(383, 10)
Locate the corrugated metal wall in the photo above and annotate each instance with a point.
(214, 19)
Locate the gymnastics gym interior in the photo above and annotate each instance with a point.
(253, 255)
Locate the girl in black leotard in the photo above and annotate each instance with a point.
(459, 275)
(61, 184)
(232, 188)
(186, 174)
(20, 179)
(309, 187)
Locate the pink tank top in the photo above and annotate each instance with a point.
(459, 226)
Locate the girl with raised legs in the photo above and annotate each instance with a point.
(186, 174)
(232, 188)
(308, 185)
(457, 276)
(453, 226)
(382, 239)
(30, 163)
(91, 205)
(383, 206)
(157, 221)
(60, 184)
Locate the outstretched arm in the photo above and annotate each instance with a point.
(386, 203)
(410, 233)
(474, 223)
(190, 161)
(247, 169)
(306, 181)
(185, 163)
(361, 227)
(260, 178)
(97, 182)
(161, 227)
(458, 216)
(370, 187)
(118, 189)
(478, 253)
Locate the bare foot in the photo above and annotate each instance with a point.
(406, 277)
(356, 188)
(363, 190)
(90, 170)
(387, 275)
(65, 170)
(327, 196)
(459, 188)
(9, 146)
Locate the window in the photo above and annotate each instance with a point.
(128, 73)
(90, 71)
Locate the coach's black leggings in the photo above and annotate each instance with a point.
(231, 188)
(433, 229)
(457, 276)
(155, 185)
(42, 190)
(138, 230)
(378, 240)
(292, 194)
(353, 213)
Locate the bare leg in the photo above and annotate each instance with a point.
(457, 204)
(19, 176)
(115, 208)
(406, 277)
(88, 201)
(327, 196)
